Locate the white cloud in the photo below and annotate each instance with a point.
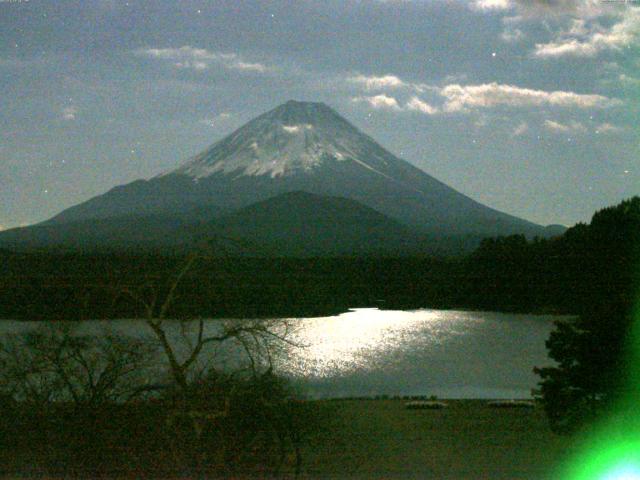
(381, 101)
(491, 4)
(559, 8)
(627, 80)
(200, 59)
(378, 82)
(567, 47)
(512, 34)
(255, 67)
(608, 128)
(421, 106)
(520, 129)
(69, 113)
(578, 27)
(571, 127)
(461, 98)
(183, 53)
(581, 40)
(464, 98)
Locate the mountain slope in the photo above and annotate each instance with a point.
(121, 232)
(303, 146)
(304, 224)
(291, 224)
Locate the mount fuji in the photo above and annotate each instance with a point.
(296, 147)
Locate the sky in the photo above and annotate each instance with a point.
(530, 107)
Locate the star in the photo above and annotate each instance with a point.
(493, 54)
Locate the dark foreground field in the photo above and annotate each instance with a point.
(379, 439)
(363, 439)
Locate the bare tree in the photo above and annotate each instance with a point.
(259, 341)
(54, 362)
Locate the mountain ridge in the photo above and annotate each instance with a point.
(296, 224)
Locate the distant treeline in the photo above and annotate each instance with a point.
(506, 274)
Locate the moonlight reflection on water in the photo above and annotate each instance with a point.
(367, 351)
(447, 353)
(365, 339)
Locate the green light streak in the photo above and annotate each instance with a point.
(613, 451)
(610, 460)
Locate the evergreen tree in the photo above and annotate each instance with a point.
(592, 352)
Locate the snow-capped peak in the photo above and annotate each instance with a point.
(292, 138)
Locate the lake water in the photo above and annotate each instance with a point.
(451, 354)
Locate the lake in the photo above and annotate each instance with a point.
(366, 352)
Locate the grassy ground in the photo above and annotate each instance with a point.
(359, 439)
(380, 439)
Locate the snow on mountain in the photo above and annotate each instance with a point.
(295, 137)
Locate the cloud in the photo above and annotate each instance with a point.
(461, 98)
(579, 28)
(627, 80)
(571, 127)
(376, 83)
(188, 57)
(560, 8)
(420, 106)
(512, 34)
(520, 129)
(587, 41)
(538, 8)
(608, 128)
(491, 4)
(69, 113)
(381, 101)
(384, 82)
(254, 67)
(457, 98)
(182, 53)
(386, 102)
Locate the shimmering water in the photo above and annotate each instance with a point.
(451, 354)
